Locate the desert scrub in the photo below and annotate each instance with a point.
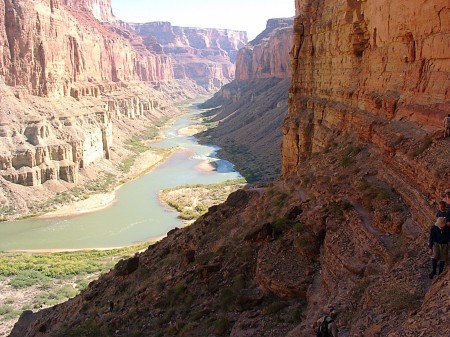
(49, 298)
(52, 277)
(192, 201)
(59, 265)
(350, 152)
(398, 298)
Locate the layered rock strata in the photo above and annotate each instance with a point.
(66, 50)
(266, 55)
(206, 56)
(68, 73)
(58, 52)
(376, 70)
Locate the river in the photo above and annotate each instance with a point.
(137, 214)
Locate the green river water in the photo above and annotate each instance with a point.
(136, 215)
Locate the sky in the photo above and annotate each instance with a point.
(244, 15)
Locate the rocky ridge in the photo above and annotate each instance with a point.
(206, 56)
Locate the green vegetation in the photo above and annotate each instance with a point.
(54, 277)
(104, 183)
(337, 209)
(350, 152)
(140, 143)
(8, 312)
(49, 298)
(274, 308)
(89, 328)
(60, 265)
(192, 201)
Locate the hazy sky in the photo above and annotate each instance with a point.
(247, 15)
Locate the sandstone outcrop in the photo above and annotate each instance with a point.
(253, 106)
(387, 82)
(56, 52)
(206, 56)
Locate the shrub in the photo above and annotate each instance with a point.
(221, 325)
(399, 299)
(299, 227)
(28, 278)
(274, 308)
(227, 298)
(5, 309)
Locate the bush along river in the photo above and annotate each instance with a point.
(137, 214)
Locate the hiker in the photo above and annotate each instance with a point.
(447, 126)
(447, 200)
(442, 211)
(439, 238)
(326, 326)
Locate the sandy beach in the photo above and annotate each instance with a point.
(192, 129)
(144, 163)
(206, 166)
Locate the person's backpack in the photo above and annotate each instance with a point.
(323, 330)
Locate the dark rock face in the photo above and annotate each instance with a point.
(126, 267)
(249, 125)
(206, 56)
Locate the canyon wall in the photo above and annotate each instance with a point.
(377, 70)
(206, 56)
(253, 106)
(69, 74)
(266, 55)
(56, 51)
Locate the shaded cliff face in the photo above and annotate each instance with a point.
(206, 56)
(252, 107)
(71, 79)
(266, 55)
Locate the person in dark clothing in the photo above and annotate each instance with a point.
(439, 238)
(447, 200)
(442, 212)
(326, 326)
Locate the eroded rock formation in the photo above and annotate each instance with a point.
(68, 73)
(206, 56)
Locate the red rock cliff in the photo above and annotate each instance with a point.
(267, 55)
(379, 70)
(203, 55)
(100, 9)
(69, 75)
(51, 49)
